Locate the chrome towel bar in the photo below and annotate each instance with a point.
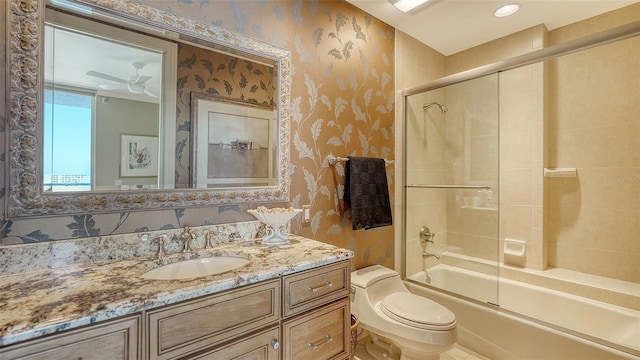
(449, 186)
(332, 160)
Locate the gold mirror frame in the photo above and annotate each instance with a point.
(25, 26)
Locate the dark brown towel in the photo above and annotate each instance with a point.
(367, 191)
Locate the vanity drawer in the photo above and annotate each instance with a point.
(183, 329)
(112, 340)
(312, 288)
(319, 335)
(264, 345)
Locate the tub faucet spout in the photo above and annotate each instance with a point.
(426, 255)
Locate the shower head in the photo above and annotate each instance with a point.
(425, 107)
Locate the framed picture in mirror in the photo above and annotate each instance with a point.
(233, 142)
(139, 156)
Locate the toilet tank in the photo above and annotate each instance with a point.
(377, 281)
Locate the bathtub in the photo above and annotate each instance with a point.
(516, 320)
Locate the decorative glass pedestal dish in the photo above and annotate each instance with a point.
(276, 221)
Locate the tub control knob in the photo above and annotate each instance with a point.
(426, 236)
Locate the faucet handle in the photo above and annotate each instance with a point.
(160, 240)
(186, 244)
(426, 236)
(208, 242)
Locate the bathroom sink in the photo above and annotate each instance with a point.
(194, 268)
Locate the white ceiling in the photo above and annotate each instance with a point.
(70, 55)
(450, 26)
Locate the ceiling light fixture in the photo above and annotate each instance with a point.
(407, 5)
(507, 10)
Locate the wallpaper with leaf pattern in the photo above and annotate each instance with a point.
(214, 74)
(342, 103)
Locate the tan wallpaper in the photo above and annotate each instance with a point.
(342, 103)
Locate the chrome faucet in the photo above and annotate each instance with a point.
(187, 236)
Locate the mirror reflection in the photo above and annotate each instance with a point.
(135, 159)
(119, 111)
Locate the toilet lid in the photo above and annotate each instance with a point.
(414, 310)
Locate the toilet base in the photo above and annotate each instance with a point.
(380, 349)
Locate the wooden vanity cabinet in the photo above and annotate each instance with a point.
(202, 324)
(263, 345)
(300, 316)
(112, 340)
(317, 314)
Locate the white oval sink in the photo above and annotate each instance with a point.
(190, 269)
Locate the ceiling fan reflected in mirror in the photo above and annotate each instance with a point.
(135, 84)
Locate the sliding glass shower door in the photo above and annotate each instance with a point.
(451, 188)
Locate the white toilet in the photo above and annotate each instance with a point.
(402, 325)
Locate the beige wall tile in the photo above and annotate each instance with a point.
(515, 222)
(582, 111)
(516, 187)
(523, 157)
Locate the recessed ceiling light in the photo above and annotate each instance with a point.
(507, 10)
(407, 5)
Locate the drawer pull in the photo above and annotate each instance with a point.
(315, 289)
(275, 344)
(327, 338)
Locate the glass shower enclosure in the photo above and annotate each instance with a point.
(451, 188)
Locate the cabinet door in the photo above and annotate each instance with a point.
(112, 340)
(322, 334)
(185, 328)
(264, 345)
(312, 288)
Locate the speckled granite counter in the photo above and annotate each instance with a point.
(42, 302)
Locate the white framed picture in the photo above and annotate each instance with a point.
(139, 156)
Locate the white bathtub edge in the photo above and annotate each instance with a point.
(507, 336)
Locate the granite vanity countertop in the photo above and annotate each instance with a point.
(38, 303)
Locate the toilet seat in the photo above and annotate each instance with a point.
(416, 311)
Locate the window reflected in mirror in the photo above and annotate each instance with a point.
(116, 77)
(67, 142)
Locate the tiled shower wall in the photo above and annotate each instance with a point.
(594, 126)
(552, 120)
